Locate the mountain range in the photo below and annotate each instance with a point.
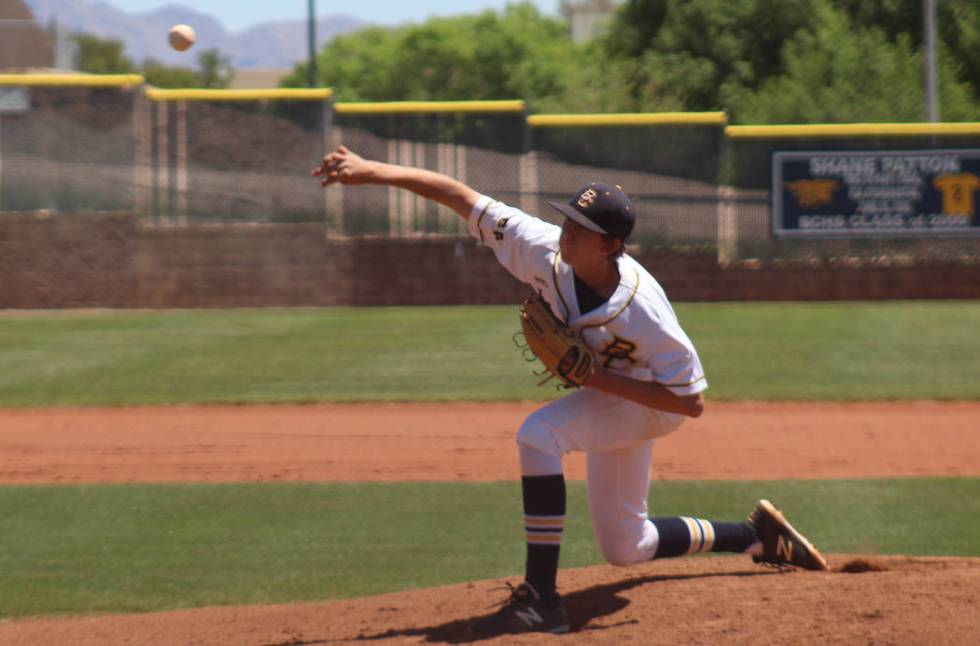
(278, 44)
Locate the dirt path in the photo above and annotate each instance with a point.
(470, 442)
(725, 600)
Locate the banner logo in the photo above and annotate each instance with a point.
(876, 193)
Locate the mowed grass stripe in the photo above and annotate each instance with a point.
(760, 351)
(120, 548)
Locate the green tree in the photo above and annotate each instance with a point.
(216, 70)
(837, 72)
(101, 56)
(766, 60)
(959, 29)
(518, 53)
(957, 24)
(703, 51)
(164, 76)
(713, 54)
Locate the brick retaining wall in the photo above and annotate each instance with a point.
(70, 261)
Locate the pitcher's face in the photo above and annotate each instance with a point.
(581, 246)
(578, 244)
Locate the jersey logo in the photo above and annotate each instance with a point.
(501, 224)
(587, 197)
(618, 349)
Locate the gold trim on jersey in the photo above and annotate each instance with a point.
(690, 383)
(479, 218)
(633, 291)
(554, 274)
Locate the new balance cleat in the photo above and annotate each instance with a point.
(782, 545)
(524, 612)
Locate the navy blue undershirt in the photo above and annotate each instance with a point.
(587, 298)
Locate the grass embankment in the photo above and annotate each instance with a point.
(778, 351)
(73, 549)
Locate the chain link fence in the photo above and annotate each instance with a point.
(105, 143)
(481, 143)
(69, 148)
(667, 163)
(233, 156)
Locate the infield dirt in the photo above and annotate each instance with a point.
(744, 441)
(865, 600)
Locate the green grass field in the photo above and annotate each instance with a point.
(119, 548)
(790, 351)
(77, 549)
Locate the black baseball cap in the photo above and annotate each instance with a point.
(603, 208)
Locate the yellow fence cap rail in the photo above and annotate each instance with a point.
(71, 80)
(393, 107)
(852, 130)
(628, 119)
(203, 94)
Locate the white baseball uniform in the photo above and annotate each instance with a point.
(634, 333)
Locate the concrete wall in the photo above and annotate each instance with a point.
(73, 261)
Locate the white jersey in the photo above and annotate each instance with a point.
(635, 333)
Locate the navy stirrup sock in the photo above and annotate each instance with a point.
(681, 535)
(544, 520)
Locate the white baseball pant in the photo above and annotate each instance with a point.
(617, 436)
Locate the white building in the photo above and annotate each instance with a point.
(587, 18)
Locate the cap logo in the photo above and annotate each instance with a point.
(586, 199)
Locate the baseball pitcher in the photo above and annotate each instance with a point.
(604, 327)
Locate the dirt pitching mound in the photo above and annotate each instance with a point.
(857, 566)
(703, 600)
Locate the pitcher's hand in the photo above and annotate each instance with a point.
(345, 167)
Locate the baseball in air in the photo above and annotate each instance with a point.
(182, 37)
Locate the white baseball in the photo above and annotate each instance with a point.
(182, 37)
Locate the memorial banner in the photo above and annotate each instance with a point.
(876, 194)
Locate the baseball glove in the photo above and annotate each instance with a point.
(563, 353)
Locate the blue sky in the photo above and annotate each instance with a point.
(236, 14)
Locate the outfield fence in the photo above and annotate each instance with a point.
(81, 143)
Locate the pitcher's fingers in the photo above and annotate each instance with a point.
(335, 156)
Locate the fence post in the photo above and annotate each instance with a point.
(142, 153)
(333, 200)
(528, 183)
(180, 162)
(727, 226)
(161, 198)
(419, 204)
